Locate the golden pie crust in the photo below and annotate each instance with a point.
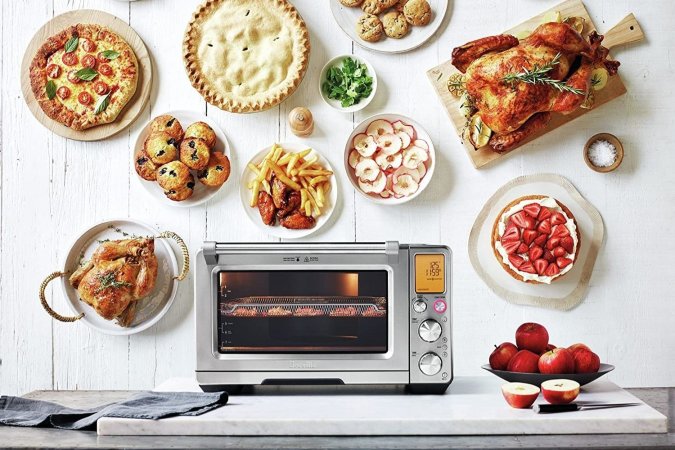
(246, 55)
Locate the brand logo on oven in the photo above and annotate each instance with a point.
(302, 365)
(304, 259)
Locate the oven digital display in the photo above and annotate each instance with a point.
(293, 311)
(430, 273)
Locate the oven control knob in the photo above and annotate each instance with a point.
(430, 364)
(430, 330)
(420, 306)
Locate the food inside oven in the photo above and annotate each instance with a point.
(303, 312)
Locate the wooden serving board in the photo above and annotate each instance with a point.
(627, 31)
(135, 105)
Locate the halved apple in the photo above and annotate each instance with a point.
(367, 170)
(379, 127)
(520, 395)
(365, 144)
(560, 391)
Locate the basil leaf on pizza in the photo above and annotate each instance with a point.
(110, 54)
(102, 103)
(71, 45)
(86, 74)
(51, 89)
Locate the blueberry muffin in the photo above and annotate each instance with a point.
(395, 24)
(145, 168)
(203, 131)
(181, 193)
(194, 153)
(417, 12)
(161, 147)
(377, 6)
(351, 3)
(173, 175)
(369, 28)
(217, 172)
(168, 124)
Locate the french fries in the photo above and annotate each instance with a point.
(300, 171)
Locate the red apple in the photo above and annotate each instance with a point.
(574, 347)
(533, 337)
(558, 392)
(524, 361)
(501, 355)
(549, 347)
(585, 361)
(520, 395)
(558, 360)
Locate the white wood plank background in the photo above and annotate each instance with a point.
(52, 188)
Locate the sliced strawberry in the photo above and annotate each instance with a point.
(557, 218)
(552, 270)
(511, 247)
(544, 214)
(548, 256)
(541, 265)
(523, 248)
(553, 243)
(567, 243)
(558, 252)
(521, 219)
(560, 231)
(527, 267)
(544, 227)
(511, 233)
(516, 260)
(563, 262)
(532, 209)
(529, 236)
(541, 240)
(535, 252)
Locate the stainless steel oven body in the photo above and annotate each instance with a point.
(323, 313)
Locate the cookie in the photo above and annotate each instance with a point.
(195, 153)
(351, 3)
(161, 147)
(395, 24)
(400, 5)
(203, 131)
(417, 12)
(173, 175)
(181, 193)
(168, 124)
(145, 168)
(217, 172)
(377, 6)
(369, 28)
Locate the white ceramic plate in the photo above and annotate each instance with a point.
(337, 61)
(347, 17)
(277, 230)
(150, 309)
(421, 134)
(201, 192)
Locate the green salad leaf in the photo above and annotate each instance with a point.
(348, 82)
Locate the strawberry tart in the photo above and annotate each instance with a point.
(536, 239)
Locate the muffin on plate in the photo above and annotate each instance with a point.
(195, 153)
(182, 192)
(169, 124)
(217, 171)
(173, 175)
(161, 147)
(145, 168)
(201, 130)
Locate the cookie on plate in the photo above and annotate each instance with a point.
(417, 12)
(369, 28)
(203, 131)
(195, 153)
(181, 193)
(217, 172)
(377, 6)
(161, 147)
(173, 175)
(145, 168)
(395, 24)
(351, 3)
(400, 5)
(168, 124)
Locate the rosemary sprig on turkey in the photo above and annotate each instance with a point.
(539, 75)
(109, 280)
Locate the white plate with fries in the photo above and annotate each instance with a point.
(299, 167)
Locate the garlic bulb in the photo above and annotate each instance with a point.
(301, 121)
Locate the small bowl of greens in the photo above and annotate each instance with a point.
(347, 83)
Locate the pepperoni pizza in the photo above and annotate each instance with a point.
(84, 76)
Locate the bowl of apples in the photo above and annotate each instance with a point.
(533, 360)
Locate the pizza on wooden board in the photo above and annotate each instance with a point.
(84, 76)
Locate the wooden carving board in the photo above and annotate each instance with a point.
(628, 30)
(131, 110)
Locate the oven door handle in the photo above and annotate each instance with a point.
(218, 248)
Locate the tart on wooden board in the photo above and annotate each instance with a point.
(536, 239)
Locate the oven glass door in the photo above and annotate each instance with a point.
(308, 311)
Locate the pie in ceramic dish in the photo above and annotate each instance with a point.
(246, 55)
(84, 76)
(536, 239)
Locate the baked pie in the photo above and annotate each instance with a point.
(246, 55)
(536, 239)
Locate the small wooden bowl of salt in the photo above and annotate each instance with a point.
(603, 152)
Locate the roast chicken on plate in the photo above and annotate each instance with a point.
(119, 274)
(514, 85)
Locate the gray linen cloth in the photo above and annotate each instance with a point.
(143, 405)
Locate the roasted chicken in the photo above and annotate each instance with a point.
(118, 275)
(515, 85)
(284, 204)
